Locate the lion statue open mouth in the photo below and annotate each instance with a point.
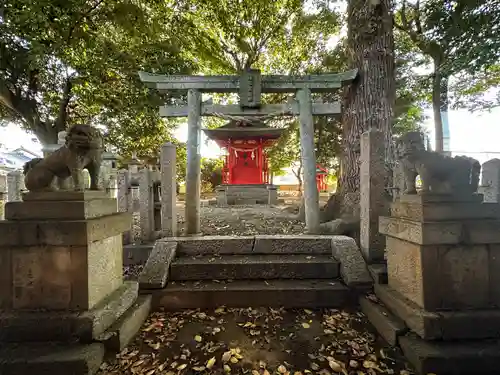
(82, 150)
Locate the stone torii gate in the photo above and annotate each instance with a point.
(249, 85)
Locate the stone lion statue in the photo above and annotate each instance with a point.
(439, 173)
(83, 149)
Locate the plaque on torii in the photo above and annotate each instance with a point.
(250, 85)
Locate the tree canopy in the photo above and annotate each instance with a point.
(64, 62)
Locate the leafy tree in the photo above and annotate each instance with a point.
(211, 173)
(63, 62)
(459, 37)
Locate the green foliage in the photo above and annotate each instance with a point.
(211, 173)
(77, 61)
(461, 38)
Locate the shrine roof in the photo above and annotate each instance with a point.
(244, 130)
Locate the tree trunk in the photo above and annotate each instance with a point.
(47, 133)
(439, 103)
(369, 101)
(298, 174)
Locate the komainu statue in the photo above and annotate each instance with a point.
(439, 173)
(82, 150)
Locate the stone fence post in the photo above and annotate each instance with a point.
(15, 184)
(124, 198)
(146, 205)
(3, 195)
(490, 181)
(168, 190)
(373, 197)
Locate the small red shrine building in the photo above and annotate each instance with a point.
(321, 175)
(246, 162)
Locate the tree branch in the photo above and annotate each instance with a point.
(63, 105)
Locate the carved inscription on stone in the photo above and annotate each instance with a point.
(250, 89)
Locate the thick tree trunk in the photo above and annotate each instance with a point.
(47, 133)
(369, 101)
(439, 103)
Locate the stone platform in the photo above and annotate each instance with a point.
(63, 302)
(289, 271)
(246, 194)
(441, 300)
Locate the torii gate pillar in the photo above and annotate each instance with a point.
(311, 194)
(193, 168)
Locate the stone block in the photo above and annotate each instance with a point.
(60, 210)
(121, 333)
(423, 323)
(212, 244)
(42, 325)
(441, 325)
(378, 271)
(63, 233)
(155, 272)
(284, 244)
(51, 359)
(64, 277)
(439, 198)
(426, 233)
(442, 211)
(353, 267)
(254, 266)
(389, 326)
(136, 254)
(64, 195)
(440, 277)
(452, 358)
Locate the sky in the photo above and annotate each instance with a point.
(473, 134)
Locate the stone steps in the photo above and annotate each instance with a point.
(50, 358)
(267, 267)
(312, 293)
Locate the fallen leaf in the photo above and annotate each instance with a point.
(335, 366)
(210, 363)
(370, 364)
(281, 369)
(150, 372)
(198, 338)
(181, 367)
(255, 372)
(234, 360)
(353, 363)
(199, 368)
(226, 356)
(266, 372)
(305, 325)
(227, 368)
(308, 311)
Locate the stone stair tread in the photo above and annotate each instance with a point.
(292, 293)
(251, 285)
(254, 259)
(50, 358)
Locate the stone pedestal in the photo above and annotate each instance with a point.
(443, 262)
(246, 194)
(61, 280)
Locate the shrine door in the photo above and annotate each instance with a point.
(246, 169)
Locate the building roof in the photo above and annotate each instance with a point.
(243, 130)
(15, 159)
